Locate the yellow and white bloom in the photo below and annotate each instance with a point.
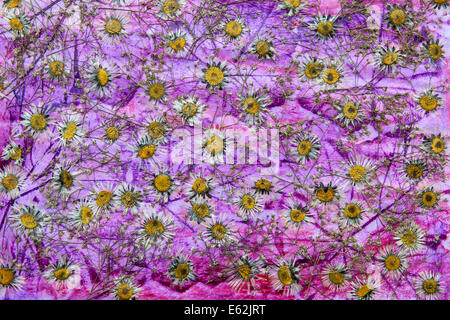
(306, 147)
(12, 180)
(112, 27)
(181, 270)
(36, 119)
(13, 152)
(254, 108)
(65, 179)
(83, 215)
(154, 228)
(243, 273)
(148, 152)
(263, 48)
(70, 130)
(103, 197)
(162, 184)
(284, 277)
(429, 285)
(29, 220)
(17, 23)
(219, 231)
(56, 68)
(190, 109)
(292, 7)
(170, 9)
(234, 28)
(250, 204)
(129, 197)
(125, 288)
(63, 274)
(10, 280)
(101, 75)
(214, 144)
(324, 27)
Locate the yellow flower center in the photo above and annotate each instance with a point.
(170, 6)
(390, 58)
(178, 44)
(218, 231)
(263, 185)
(233, 29)
(262, 47)
(304, 147)
(10, 182)
(189, 109)
(251, 105)
(428, 103)
(16, 24)
(56, 68)
(162, 183)
(86, 215)
(156, 91)
(112, 133)
(147, 151)
(155, 130)
(363, 291)
(336, 277)
(113, 26)
(437, 145)
(313, 70)
(6, 276)
(61, 274)
(350, 110)
(199, 186)
(414, 171)
(352, 211)
(248, 202)
(214, 145)
(292, 3)
(201, 210)
(182, 271)
(429, 286)
(397, 17)
(28, 221)
(325, 194)
(70, 131)
(154, 227)
(392, 263)
(297, 215)
(429, 198)
(435, 51)
(13, 4)
(38, 122)
(66, 179)
(285, 275)
(103, 198)
(325, 28)
(15, 153)
(357, 173)
(409, 238)
(125, 291)
(214, 76)
(244, 271)
(102, 77)
(331, 76)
